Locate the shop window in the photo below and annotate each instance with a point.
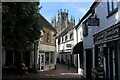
(112, 7)
(52, 58)
(46, 58)
(9, 58)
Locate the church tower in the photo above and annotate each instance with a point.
(62, 21)
(62, 17)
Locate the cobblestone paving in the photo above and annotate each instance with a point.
(61, 73)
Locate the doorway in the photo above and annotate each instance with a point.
(41, 61)
(88, 63)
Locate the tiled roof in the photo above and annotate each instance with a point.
(45, 23)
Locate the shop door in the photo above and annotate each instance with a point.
(112, 63)
(42, 62)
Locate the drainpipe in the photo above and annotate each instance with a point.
(0, 40)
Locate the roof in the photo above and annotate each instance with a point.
(65, 31)
(89, 11)
(45, 23)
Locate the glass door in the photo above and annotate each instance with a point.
(42, 62)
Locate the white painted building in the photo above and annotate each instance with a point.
(101, 42)
(65, 48)
(78, 39)
(107, 38)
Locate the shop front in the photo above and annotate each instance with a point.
(107, 51)
(46, 58)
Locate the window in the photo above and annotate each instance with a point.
(62, 39)
(47, 37)
(71, 36)
(59, 41)
(41, 38)
(52, 38)
(52, 58)
(46, 58)
(112, 6)
(66, 38)
(68, 45)
(85, 29)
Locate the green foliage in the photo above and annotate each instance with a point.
(20, 24)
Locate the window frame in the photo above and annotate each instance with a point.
(114, 10)
(85, 28)
(47, 58)
(71, 36)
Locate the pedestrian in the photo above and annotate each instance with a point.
(23, 68)
(68, 65)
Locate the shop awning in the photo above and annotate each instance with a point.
(78, 48)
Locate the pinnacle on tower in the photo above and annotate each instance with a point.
(64, 10)
(60, 10)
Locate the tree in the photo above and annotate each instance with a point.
(20, 24)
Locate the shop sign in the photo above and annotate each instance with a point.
(93, 22)
(108, 34)
(68, 45)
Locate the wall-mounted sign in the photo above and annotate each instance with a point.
(93, 22)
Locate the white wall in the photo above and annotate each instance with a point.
(80, 34)
(75, 36)
(43, 47)
(102, 13)
(79, 38)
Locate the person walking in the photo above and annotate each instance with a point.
(68, 64)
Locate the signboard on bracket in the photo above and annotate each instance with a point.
(93, 22)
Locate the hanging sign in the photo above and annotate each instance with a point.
(93, 22)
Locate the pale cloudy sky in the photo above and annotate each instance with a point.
(75, 9)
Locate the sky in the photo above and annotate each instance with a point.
(75, 9)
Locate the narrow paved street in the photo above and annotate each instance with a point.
(61, 73)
